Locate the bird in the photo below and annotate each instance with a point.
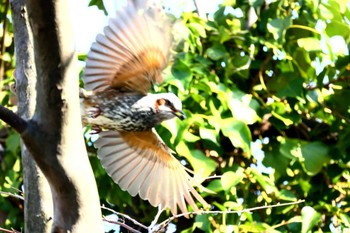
(123, 64)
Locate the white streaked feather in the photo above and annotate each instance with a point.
(171, 199)
(143, 172)
(127, 172)
(133, 32)
(164, 194)
(145, 167)
(146, 185)
(113, 159)
(154, 190)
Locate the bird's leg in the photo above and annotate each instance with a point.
(93, 112)
(95, 129)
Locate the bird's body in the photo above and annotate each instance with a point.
(121, 67)
(120, 111)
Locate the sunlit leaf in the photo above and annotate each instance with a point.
(309, 44)
(197, 29)
(201, 164)
(231, 178)
(237, 132)
(309, 218)
(278, 26)
(240, 106)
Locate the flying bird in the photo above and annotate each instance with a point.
(121, 67)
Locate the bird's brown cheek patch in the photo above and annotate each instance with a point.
(158, 103)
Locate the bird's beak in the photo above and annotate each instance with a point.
(180, 114)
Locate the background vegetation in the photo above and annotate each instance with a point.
(266, 90)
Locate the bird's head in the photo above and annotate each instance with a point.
(165, 106)
(169, 105)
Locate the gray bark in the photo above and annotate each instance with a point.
(54, 134)
(38, 206)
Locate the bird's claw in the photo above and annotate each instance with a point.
(95, 129)
(93, 112)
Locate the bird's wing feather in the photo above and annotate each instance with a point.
(142, 164)
(130, 54)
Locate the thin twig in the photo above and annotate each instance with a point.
(125, 216)
(163, 224)
(11, 118)
(283, 223)
(12, 195)
(122, 225)
(169, 220)
(8, 231)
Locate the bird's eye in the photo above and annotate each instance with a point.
(161, 101)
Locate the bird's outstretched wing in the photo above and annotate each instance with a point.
(130, 54)
(142, 164)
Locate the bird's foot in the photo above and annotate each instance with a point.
(95, 129)
(93, 112)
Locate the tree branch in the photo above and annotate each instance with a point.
(160, 227)
(13, 119)
(38, 204)
(8, 231)
(54, 133)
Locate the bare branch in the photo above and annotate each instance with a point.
(122, 225)
(169, 220)
(125, 216)
(12, 195)
(199, 9)
(8, 231)
(162, 225)
(13, 119)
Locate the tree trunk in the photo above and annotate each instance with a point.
(53, 136)
(38, 207)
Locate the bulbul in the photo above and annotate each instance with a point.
(121, 67)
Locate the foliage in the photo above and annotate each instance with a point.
(267, 102)
(269, 94)
(11, 208)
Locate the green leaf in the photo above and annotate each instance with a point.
(230, 178)
(180, 70)
(315, 155)
(286, 195)
(215, 186)
(240, 106)
(99, 4)
(286, 85)
(290, 148)
(310, 44)
(274, 159)
(309, 218)
(209, 134)
(202, 165)
(216, 52)
(13, 142)
(266, 183)
(197, 29)
(238, 133)
(202, 222)
(278, 27)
